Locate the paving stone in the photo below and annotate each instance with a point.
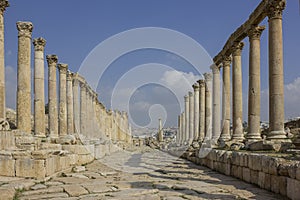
(45, 196)
(75, 190)
(38, 187)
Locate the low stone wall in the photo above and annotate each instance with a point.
(269, 172)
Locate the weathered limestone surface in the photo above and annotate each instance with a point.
(24, 83)
(160, 131)
(191, 117)
(63, 68)
(76, 104)
(82, 108)
(70, 104)
(201, 110)
(216, 109)
(208, 106)
(196, 111)
(187, 117)
(52, 96)
(39, 87)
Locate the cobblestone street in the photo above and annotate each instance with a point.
(142, 174)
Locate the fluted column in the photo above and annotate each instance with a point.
(82, 108)
(70, 103)
(208, 107)
(276, 82)
(196, 111)
(187, 117)
(216, 109)
(52, 96)
(254, 84)
(3, 5)
(237, 98)
(191, 117)
(39, 87)
(225, 134)
(201, 110)
(62, 98)
(24, 76)
(76, 109)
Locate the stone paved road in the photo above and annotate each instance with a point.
(145, 175)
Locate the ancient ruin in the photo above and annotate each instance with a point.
(63, 139)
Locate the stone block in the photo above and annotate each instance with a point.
(50, 166)
(240, 172)
(235, 158)
(293, 189)
(265, 162)
(246, 174)
(79, 149)
(31, 168)
(254, 177)
(292, 171)
(274, 166)
(73, 159)
(57, 165)
(228, 157)
(7, 140)
(255, 162)
(7, 165)
(298, 173)
(244, 160)
(40, 154)
(264, 180)
(228, 169)
(84, 159)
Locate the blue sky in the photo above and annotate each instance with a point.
(73, 28)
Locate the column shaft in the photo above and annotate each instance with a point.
(191, 117)
(225, 135)
(216, 126)
(237, 98)
(3, 6)
(187, 116)
(52, 96)
(276, 84)
(196, 111)
(39, 87)
(62, 99)
(201, 110)
(82, 108)
(24, 76)
(70, 103)
(254, 84)
(208, 105)
(76, 105)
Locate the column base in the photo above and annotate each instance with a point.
(238, 138)
(253, 137)
(277, 135)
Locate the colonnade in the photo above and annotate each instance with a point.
(73, 109)
(212, 120)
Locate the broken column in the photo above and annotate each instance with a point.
(39, 87)
(24, 75)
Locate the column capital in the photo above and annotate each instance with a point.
(75, 81)
(215, 69)
(226, 61)
(237, 48)
(62, 68)
(39, 44)
(196, 86)
(82, 85)
(255, 32)
(275, 8)
(52, 59)
(69, 76)
(201, 82)
(190, 94)
(3, 5)
(208, 77)
(186, 98)
(25, 29)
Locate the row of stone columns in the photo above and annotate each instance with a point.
(192, 123)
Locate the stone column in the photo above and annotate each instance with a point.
(178, 136)
(52, 96)
(216, 109)
(3, 5)
(187, 121)
(70, 103)
(183, 128)
(208, 110)
(39, 87)
(201, 110)
(237, 98)
(76, 109)
(82, 108)
(254, 84)
(196, 111)
(160, 131)
(276, 84)
(225, 134)
(191, 117)
(62, 98)
(24, 75)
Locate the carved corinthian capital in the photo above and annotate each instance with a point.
(25, 29)
(63, 68)
(201, 82)
(226, 61)
(237, 48)
(255, 32)
(39, 44)
(52, 59)
(3, 5)
(275, 8)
